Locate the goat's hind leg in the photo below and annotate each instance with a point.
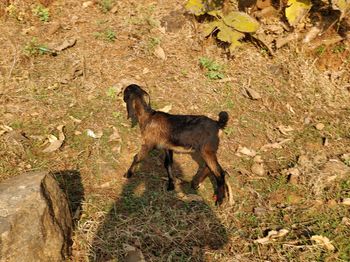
(168, 162)
(137, 159)
(210, 159)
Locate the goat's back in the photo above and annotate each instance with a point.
(189, 132)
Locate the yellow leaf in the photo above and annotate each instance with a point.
(323, 241)
(196, 7)
(216, 13)
(210, 27)
(241, 22)
(341, 5)
(233, 45)
(228, 34)
(296, 10)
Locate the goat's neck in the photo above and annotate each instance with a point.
(143, 113)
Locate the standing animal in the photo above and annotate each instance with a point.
(179, 133)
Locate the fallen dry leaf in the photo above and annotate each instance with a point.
(87, 4)
(65, 44)
(276, 145)
(92, 134)
(258, 169)
(4, 129)
(252, 94)
(346, 201)
(114, 136)
(319, 126)
(55, 143)
(346, 221)
(285, 129)
(159, 52)
(241, 150)
(76, 120)
(290, 108)
(258, 159)
(271, 236)
(312, 34)
(37, 137)
(104, 185)
(323, 241)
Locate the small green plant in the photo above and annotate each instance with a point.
(339, 49)
(33, 48)
(111, 92)
(214, 70)
(41, 12)
(184, 72)
(229, 131)
(110, 35)
(106, 5)
(117, 115)
(107, 35)
(320, 50)
(144, 16)
(153, 42)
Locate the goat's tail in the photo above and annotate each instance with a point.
(223, 118)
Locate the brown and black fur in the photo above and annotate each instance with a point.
(179, 133)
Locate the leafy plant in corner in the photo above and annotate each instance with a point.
(230, 27)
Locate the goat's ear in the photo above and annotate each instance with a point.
(130, 107)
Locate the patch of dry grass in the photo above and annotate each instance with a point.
(139, 212)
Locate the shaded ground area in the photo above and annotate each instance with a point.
(300, 122)
(164, 228)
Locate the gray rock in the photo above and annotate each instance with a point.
(35, 220)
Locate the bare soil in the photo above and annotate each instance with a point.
(79, 87)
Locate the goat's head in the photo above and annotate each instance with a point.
(134, 94)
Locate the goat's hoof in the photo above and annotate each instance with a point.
(170, 187)
(128, 174)
(219, 199)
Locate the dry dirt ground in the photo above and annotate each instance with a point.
(299, 129)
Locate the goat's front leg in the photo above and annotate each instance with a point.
(168, 162)
(199, 177)
(137, 159)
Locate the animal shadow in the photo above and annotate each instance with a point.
(162, 225)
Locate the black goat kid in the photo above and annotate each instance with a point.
(179, 133)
